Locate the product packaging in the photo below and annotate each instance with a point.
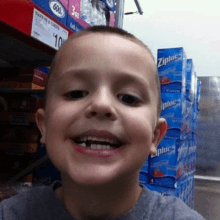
(171, 64)
(85, 13)
(167, 165)
(56, 8)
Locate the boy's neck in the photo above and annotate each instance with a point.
(104, 202)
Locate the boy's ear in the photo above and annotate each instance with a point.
(159, 134)
(40, 120)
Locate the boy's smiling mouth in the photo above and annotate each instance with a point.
(98, 144)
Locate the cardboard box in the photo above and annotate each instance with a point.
(171, 64)
(33, 79)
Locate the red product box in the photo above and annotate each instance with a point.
(26, 79)
(39, 79)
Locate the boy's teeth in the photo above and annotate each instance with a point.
(90, 138)
(107, 147)
(98, 146)
(109, 140)
(83, 144)
(93, 146)
(95, 139)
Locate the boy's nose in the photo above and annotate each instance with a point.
(101, 107)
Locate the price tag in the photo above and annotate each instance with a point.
(47, 31)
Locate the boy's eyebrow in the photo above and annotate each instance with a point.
(76, 73)
(125, 77)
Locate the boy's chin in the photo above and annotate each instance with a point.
(93, 179)
(97, 175)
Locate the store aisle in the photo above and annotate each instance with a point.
(207, 199)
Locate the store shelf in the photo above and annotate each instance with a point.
(21, 91)
(18, 148)
(19, 51)
(19, 118)
(17, 47)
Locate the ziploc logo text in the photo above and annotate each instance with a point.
(162, 151)
(168, 104)
(163, 61)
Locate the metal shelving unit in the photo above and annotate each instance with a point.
(19, 49)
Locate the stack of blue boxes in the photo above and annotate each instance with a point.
(171, 170)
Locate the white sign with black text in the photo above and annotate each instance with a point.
(47, 31)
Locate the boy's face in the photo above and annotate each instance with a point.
(117, 95)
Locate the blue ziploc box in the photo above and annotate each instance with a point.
(56, 8)
(190, 190)
(189, 125)
(190, 152)
(189, 118)
(195, 85)
(173, 103)
(166, 166)
(173, 109)
(185, 159)
(182, 191)
(187, 192)
(190, 80)
(195, 88)
(195, 137)
(194, 126)
(192, 156)
(198, 93)
(193, 192)
(191, 160)
(186, 165)
(144, 174)
(164, 191)
(183, 186)
(194, 117)
(189, 109)
(171, 64)
(176, 127)
(196, 113)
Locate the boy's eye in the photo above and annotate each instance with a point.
(129, 99)
(76, 94)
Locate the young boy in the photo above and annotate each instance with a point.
(100, 122)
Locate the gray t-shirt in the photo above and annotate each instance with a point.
(40, 203)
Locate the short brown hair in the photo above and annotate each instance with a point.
(107, 30)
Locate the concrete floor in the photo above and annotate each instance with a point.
(207, 199)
